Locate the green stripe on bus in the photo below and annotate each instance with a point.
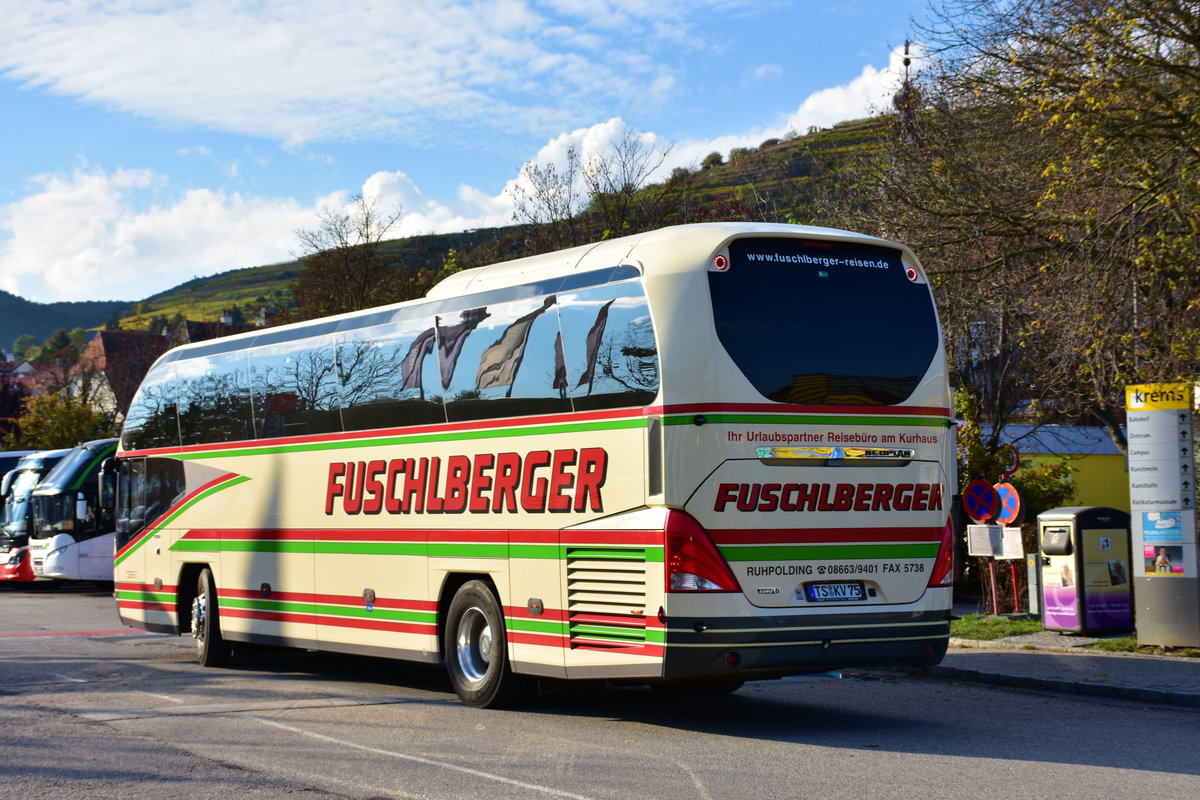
(828, 552)
(545, 626)
(805, 419)
(326, 610)
(420, 438)
(418, 549)
(607, 632)
(93, 464)
(146, 536)
(147, 597)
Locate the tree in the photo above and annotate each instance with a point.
(345, 268)
(57, 346)
(620, 199)
(54, 421)
(12, 398)
(1120, 81)
(618, 184)
(1046, 161)
(24, 344)
(79, 339)
(548, 199)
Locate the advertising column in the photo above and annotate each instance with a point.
(1162, 495)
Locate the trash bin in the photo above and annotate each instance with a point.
(1086, 578)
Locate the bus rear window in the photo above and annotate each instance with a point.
(824, 323)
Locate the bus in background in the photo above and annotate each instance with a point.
(688, 457)
(72, 537)
(9, 460)
(17, 489)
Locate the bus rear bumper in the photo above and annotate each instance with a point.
(777, 646)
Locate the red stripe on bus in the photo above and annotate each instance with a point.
(788, 408)
(143, 605)
(146, 587)
(729, 536)
(391, 626)
(349, 601)
(555, 640)
(387, 433)
(469, 536)
(132, 543)
(590, 643)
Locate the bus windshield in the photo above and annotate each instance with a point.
(821, 322)
(53, 513)
(16, 505)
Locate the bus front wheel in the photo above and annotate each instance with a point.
(211, 648)
(476, 649)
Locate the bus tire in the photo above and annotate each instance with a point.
(476, 648)
(211, 648)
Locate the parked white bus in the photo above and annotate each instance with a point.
(698, 455)
(17, 491)
(73, 531)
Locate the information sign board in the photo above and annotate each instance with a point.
(1162, 490)
(995, 541)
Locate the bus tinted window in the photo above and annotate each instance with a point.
(294, 386)
(146, 488)
(214, 399)
(824, 323)
(509, 365)
(609, 350)
(388, 378)
(151, 421)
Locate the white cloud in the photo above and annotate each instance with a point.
(128, 233)
(100, 235)
(313, 71)
(763, 73)
(870, 91)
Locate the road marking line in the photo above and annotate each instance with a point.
(159, 696)
(430, 762)
(237, 708)
(66, 678)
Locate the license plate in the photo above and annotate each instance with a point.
(37, 566)
(832, 592)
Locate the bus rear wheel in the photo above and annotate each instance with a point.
(211, 648)
(476, 648)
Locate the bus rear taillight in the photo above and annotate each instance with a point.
(692, 560)
(943, 566)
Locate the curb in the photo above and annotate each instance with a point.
(1114, 691)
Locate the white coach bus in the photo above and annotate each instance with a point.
(72, 536)
(699, 455)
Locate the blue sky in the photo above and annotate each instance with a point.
(148, 142)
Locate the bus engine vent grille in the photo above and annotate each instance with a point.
(606, 597)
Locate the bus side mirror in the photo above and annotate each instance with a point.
(8, 479)
(81, 507)
(106, 490)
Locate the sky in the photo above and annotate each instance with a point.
(148, 142)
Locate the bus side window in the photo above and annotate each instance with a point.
(106, 492)
(508, 364)
(387, 376)
(214, 399)
(294, 386)
(151, 421)
(609, 348)
(131, 499)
